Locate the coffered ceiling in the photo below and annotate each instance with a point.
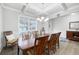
(43, 9)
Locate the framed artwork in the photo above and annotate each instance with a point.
(74, 25)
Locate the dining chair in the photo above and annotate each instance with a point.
(25, 36)
(52, 43)
(38, 48)
(35, 34)
(40, 44)
(9, 38)
(58, 35)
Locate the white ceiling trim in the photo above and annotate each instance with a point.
(18, 11)
(66, 12)
(27, 12)
(64, 6)
(12, 9)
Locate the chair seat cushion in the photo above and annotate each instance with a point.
(11, 41)
(11, 38)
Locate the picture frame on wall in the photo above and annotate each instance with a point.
(74, 25)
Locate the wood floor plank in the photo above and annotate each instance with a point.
(66, 48)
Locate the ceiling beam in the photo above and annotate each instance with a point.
(25, 6)
(69, 11)
(64, 6)
(15, 10)
(10, 8)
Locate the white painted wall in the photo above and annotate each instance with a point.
(61, 24)
(0, 28)
(43, 24)
(10, 20)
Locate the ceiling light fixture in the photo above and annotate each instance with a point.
(38, 19)
(73, 13)
(42, 19)
(46, 19)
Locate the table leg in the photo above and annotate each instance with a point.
(18, 51)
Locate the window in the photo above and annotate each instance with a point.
(27, 24)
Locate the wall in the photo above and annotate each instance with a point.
(10, 20)
(0, 28)
(61, 24)
(43, 24)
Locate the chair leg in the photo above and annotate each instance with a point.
(25, 52)
(58, 45)
(54, 49)
(48, 51)
(18, 50)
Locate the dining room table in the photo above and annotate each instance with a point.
(27, 44)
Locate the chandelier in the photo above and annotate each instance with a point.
(43, 19)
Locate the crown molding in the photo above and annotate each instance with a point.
(10, 8)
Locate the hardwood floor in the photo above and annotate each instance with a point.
(66, 48)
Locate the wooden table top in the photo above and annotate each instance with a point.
(26, 44)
